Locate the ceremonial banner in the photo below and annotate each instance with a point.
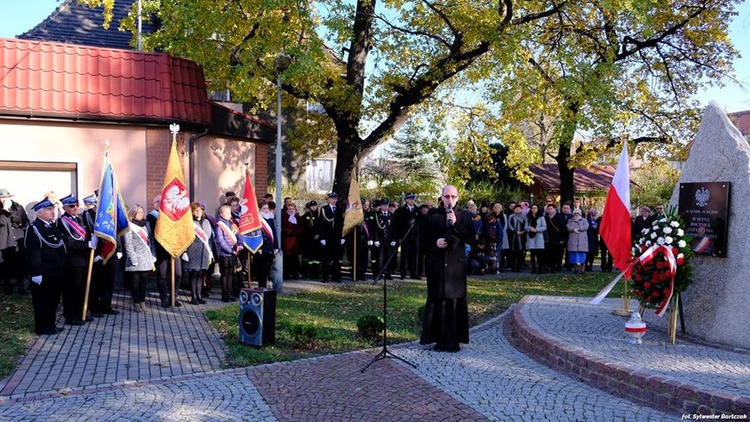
(354, 214)
(615, 227)
(111, 218)
(174, 226)
(250, 221)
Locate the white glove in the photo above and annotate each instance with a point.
(575, 230)
(185, 257)
(393, 243)
(93, 242)
(377, 244)
(97, 258)
(119, 255)
(342, 241)
(323, 242)
(369, 243)
(7, 203)
(37, 279)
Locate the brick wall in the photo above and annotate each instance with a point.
(158, 144)
(261, 169)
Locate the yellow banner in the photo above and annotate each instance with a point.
(354, 214)
(174, 226)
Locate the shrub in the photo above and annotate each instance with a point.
(304, 336)
(370, 326)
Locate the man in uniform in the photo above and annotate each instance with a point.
(76, 238)
(103, 275)
(384, 239)
(46, 258)
(446, 315)
(330, 223)
(407, 229)
(310, 242)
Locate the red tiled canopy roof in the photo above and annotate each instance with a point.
(741, 119)
(597, 178)
(43, 79)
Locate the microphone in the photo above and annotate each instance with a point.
(448, 223)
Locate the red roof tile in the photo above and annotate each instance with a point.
(58, 80)
(591, 179)
(741, 119)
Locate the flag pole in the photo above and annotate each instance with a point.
(173, 299)
(354, 264)
(88, 285)
(625, 309)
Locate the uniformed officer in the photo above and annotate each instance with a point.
(310, 242)
(407, 229)
(329, 224)
(46, 258)
(103, 275)
(384, 239)
(76, 236)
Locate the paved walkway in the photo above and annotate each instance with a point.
(146, 376)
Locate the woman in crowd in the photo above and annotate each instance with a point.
(198, 256)
(140, 256)
(228, 244)
(291, 238)
(578, 245)
(517, 237)
(592, 235)
(536, 229)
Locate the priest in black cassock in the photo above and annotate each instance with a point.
(450, 235)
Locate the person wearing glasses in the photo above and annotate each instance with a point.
(450, 236)
(659, 212)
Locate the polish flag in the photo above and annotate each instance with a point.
(615, 227)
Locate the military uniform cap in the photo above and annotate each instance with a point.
(410, 196)
(69, 200)
(90, 200)
(44, 203)
(333, 195)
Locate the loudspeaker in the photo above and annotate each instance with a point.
(258, 316)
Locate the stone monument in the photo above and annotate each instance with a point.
(716, 302)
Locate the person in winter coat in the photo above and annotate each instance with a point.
(517, 237)
(536, 229)
(228, 243)
(593, 238)
(292, 229)
(140, 256)
(446, 314)
(578, 245)
(198, 256)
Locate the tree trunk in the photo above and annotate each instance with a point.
(567, 187)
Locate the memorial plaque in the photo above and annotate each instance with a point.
(704, 208)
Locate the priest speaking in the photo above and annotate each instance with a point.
(446, 315)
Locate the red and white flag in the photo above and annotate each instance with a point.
(615, 227)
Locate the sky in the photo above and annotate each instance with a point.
(21, 15)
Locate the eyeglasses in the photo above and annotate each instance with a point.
(450, 196)
(73, 206)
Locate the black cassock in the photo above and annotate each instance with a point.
(446, 315)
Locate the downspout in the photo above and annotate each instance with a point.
(191, 149)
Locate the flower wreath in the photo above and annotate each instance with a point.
(662, 266)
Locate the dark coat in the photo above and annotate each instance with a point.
(77, 245)
(45, 250)
(403, 218)
(557, 232)
(330, 224)
(447, 268)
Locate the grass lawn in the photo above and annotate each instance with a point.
(335, 311)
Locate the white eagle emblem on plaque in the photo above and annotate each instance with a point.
(701, 197)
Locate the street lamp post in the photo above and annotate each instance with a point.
(282, 63)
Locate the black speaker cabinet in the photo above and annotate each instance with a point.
(258, 316)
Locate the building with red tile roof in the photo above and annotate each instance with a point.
(60, 102)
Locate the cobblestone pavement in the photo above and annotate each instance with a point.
(488, 380)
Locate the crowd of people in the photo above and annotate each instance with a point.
(393, 240)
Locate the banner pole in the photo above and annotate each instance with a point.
(172, 272)
(88, 286)
(354, 255)
(625, 309)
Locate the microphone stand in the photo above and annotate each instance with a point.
(384, 352)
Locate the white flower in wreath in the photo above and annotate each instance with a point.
(680, 256)
(668, 240)
(674, 224)
(648, 243)
(681, 244)
(663, 220)
(667, 230)
(660, 241)
(680, 233)
(653, 235)
(635, 251)
(645, 230)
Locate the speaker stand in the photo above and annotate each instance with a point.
(384, 352)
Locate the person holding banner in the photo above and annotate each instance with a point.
(198, 256)
(228, 244)
(76, 238)
(263, 259)
(140, 256)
